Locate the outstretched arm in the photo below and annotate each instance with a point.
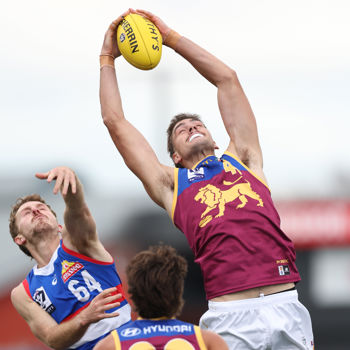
(79, 231)
(235, 109)
(135, 150)
(62, 336)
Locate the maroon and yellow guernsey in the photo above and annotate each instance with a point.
(232, 226)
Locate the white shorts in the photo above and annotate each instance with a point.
(273, 322)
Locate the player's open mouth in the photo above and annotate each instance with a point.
(194, 136)
(40, 216)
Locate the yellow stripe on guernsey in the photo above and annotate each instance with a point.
(199, 337)
(116, 340)
(239, 161)
(176, 186)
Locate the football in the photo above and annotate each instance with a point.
(139, 41)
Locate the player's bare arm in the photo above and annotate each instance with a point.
(79, 231)
(134, 148)
(235, 109)
(213, 341)
(106, 343)
(62, 336)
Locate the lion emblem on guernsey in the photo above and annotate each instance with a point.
(214, 198)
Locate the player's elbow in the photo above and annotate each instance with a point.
(109, 119)
(228, 78)
(112, 117)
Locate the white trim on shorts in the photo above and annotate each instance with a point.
(252, 303)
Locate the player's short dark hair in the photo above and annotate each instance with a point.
(19, 202)
(171, 126)
(156, 282)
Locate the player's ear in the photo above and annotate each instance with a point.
(19, 239)
(176, 158)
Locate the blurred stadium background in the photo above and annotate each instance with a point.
(293, 60)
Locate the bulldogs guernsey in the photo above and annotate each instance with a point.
(67, 285)
(161, 334)
(232, 226)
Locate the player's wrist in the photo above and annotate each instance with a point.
(82, 321)
(106, 60)
(171, 39)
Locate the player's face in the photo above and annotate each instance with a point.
(35, 217)
(191, 136)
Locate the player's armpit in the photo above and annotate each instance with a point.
(161, 187)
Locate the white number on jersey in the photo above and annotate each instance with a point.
(80, 292)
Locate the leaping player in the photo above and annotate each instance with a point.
(222, 205)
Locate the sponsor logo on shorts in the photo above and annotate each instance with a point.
(42, 299)
(69, 269)
(283, 270)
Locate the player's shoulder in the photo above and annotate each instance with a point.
(19, 296)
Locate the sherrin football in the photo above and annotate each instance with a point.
(139, 41)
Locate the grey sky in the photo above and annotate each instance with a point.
(293, 60)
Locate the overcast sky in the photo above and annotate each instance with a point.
(292, 58)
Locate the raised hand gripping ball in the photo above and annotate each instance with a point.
(139, 41)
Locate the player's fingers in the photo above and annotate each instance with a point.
(146, 13)
(66, 183)
(73, 183)
(111, 314)
(115, 23)
(42, 175)
(51, 175)
(110, 290)
(58, 183)
(110, 305)
(111, 298)
(127, 12)
(107, 292)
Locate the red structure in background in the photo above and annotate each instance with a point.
(14, 331)
(310, 224)
(316, 224)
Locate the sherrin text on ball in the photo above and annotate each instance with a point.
(139, 41)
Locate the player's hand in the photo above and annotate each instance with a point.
(162, 27)
(96, 310)
(110, 44)
(65, 179)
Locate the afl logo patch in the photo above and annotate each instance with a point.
(130, 332)
(42, 299)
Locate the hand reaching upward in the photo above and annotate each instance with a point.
(65, 179)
